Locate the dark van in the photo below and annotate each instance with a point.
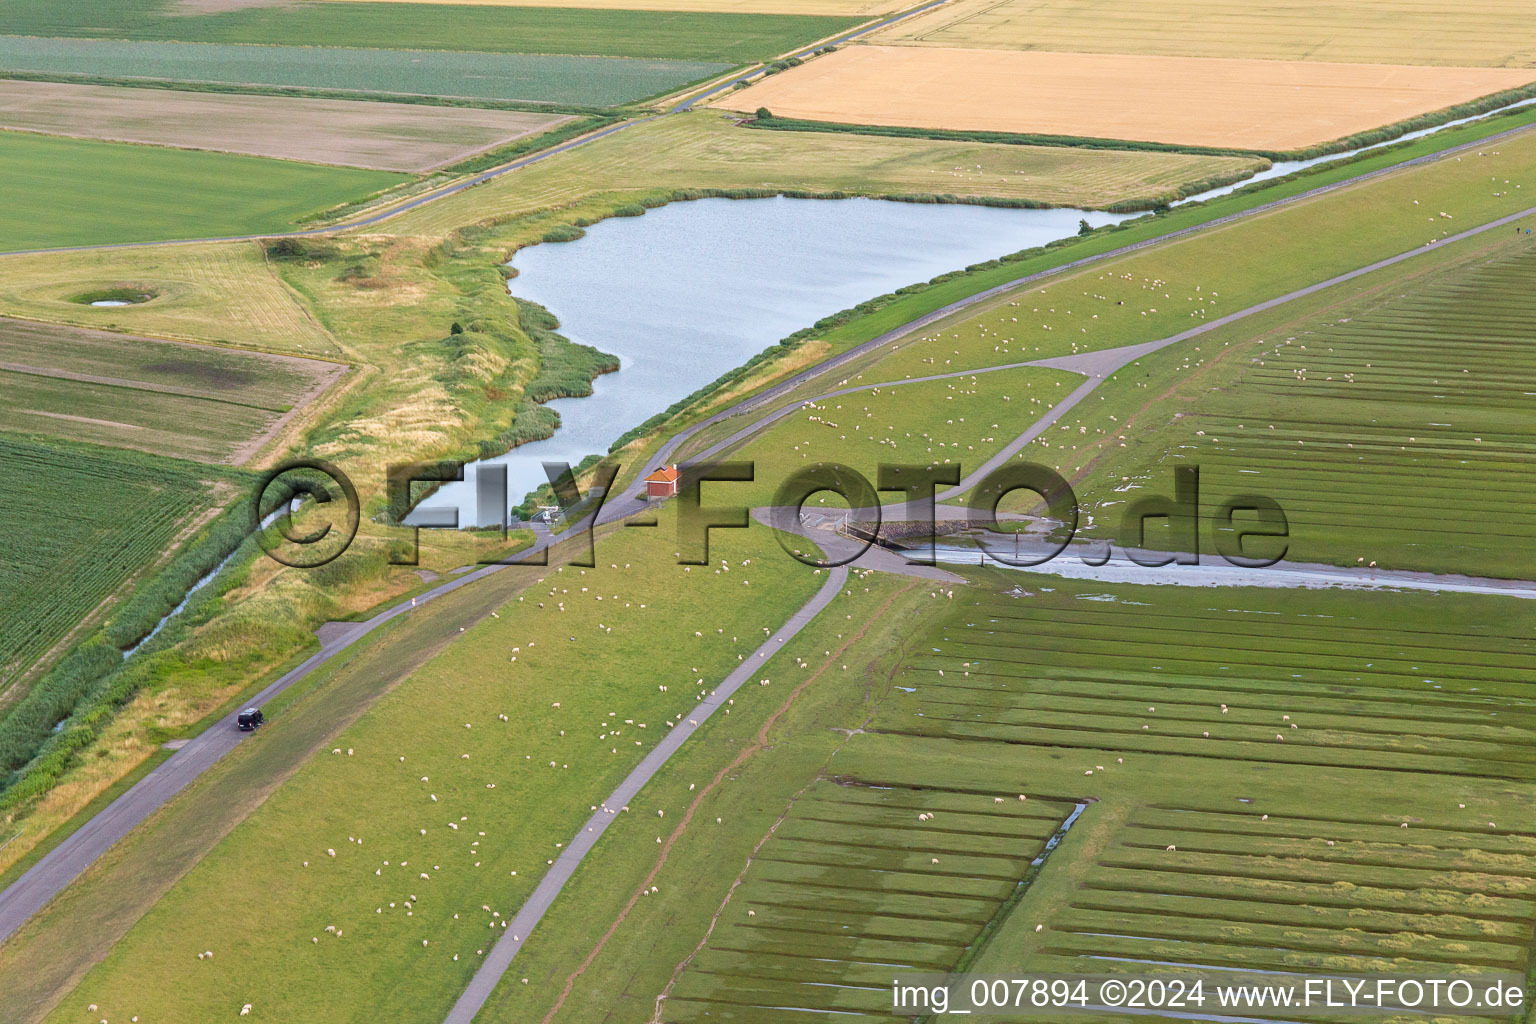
(249, 719)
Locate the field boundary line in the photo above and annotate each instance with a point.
(489, 975)
(835, 39)
(759, 742)
(869, 716)
(67, 861)
(754, 402)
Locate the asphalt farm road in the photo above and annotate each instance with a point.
(60, 866)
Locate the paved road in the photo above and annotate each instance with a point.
(770, 395)
(63, 864)
(687, 104)
(571, 856)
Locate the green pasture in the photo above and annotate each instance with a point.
(1292, 780)
(80, 522)
(960, 422)
(536, 78)
(184, 401)
(727, 38)
(507, 793)
(203, 371)
(1080, 666)
(63, 192)
(1387, 416)
(151, 421)
(835, 898)
(737, 788)
(841, 877)
(1162, 291)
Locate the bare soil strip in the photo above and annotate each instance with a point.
(351, 133)
(1197, 101)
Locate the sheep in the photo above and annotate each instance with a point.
(245, 1011)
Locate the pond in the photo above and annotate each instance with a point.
(694, 289)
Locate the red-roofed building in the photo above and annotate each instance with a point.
(663, 483)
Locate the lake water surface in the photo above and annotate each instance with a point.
(692, 290)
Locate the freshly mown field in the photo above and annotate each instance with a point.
(162, 397)
(534, 78)
(1364, 31)
(855, 880)
(444, 803)
(378, 136)
(79, 523)
(63, 192)
(704, 150)
(731, 38)
(1269, 106)
(222, 294)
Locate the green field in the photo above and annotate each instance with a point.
(184, 401)
(1386, 415)
(853, 882)
(581, 81)
(1160, 292)
(79, 523)
(526, 784)
(1267, 836)
(727, 38)
(64, 192)
(961, 422)
(1246, 729)
(223, 293)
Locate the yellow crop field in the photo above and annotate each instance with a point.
(1492, 32)
(704, 150)
(1251, 104)
(222, 294)
(836, 8)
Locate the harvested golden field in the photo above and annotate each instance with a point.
(380, 136)
(838, 8)
(223, 293)
(704, 150)
(1248, 104)
(1492, 32)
